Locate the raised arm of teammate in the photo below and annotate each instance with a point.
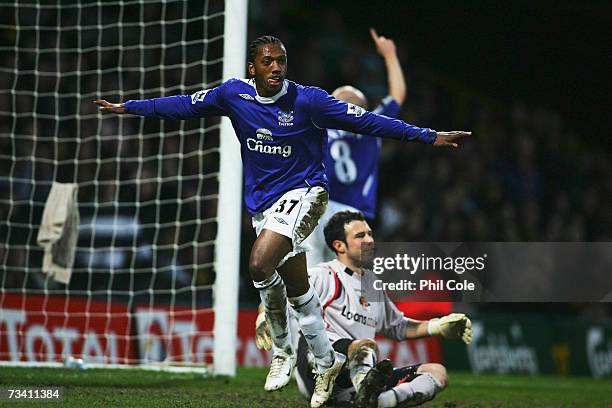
(397, 84)
(395, 76)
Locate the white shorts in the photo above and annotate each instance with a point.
(318, 251)
(294, 215)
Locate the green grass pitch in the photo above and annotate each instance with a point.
(139, 388)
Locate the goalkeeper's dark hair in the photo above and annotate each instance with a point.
(334, 229)
(263, 40)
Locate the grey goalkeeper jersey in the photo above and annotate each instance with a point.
(346, 312)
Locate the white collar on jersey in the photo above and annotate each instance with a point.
(343, 268)
(267, 99)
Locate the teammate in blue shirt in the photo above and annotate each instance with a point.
(281, 128)
(351, 160)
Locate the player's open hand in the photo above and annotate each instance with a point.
(448, 138)
(263, 341)
(452, 326)
(384, 46)
(107, 107)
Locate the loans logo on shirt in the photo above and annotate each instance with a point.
(285, 118)
(358, 317)
(358, 111)
(198, 96)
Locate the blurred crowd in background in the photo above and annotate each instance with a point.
(526, 174)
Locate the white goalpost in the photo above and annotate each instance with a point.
(230, 202)
(119, 235)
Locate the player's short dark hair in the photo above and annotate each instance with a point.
(263, 40)
(334, 229)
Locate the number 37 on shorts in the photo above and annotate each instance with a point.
(291, 206)
(295, 214)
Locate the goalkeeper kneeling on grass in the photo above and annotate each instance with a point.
(352, 324)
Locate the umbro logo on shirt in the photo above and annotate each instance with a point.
(246, 96)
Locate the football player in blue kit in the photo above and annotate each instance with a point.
(281, 127)
(351, 160)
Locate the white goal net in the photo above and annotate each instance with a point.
(156, 249)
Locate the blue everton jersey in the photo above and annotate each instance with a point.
(283, 139)
(352, 162)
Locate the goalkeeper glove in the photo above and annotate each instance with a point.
(263, 341)
(452, 326)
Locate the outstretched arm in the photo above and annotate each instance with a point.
(395, 76)
(415, 329)
(203, 103)
(170, 107)
(455, 326)
(330, 113)
(397, 326)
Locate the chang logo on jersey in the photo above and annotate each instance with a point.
(198, 96)
(261, 147)
(285, 118)
(358, 317)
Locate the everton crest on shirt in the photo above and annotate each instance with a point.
(285, 118)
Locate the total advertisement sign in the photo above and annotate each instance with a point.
(38, 328)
